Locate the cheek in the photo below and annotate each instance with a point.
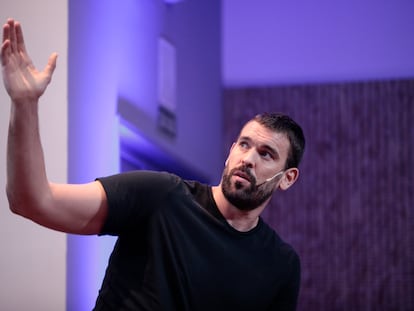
(226, 172)
(235, 155)
(230, 160)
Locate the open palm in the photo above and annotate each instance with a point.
(22, 80)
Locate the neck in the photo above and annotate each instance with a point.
(240, 220)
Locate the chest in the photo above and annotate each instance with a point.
(196, 253)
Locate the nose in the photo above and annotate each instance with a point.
(249, 158)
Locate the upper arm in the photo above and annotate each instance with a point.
(78, 209)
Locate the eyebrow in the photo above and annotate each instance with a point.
(265, 146)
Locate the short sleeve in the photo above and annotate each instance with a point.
(133, 197)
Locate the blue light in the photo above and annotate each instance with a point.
(113, 56)
(105, 53)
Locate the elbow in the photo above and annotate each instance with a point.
(19, 203)
(15, 210)
(14, 205)
(29, 204)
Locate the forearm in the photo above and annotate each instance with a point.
(27, 184)
(70, 208)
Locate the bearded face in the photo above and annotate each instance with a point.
(245, 197)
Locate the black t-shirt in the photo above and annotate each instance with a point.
(175, 251)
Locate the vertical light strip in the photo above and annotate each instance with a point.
(93, 142)
(108, 43)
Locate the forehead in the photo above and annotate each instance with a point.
(264, 136)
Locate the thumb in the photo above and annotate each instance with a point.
(51, 65)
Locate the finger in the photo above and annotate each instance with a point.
(12, 35)
(5, 47)
(6, 32)
(19, 38)
(5, 52)
(51, 65)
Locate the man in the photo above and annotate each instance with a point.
(181, 245)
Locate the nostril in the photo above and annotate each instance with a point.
(247, 164)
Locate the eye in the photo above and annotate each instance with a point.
(265, 154)
(243, 145)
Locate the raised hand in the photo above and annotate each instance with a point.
(22, 80)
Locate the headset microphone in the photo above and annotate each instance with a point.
(270, 178)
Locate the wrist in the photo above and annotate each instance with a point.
(24, 108)
(24, 102)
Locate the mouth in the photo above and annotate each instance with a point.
(242, 175)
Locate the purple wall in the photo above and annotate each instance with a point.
(271, 42)
(350, 215)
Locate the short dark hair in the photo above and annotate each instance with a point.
(282, 123)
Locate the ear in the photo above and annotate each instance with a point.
(289, 178)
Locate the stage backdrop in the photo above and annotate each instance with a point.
(351, 214)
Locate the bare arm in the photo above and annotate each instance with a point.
(70, 208)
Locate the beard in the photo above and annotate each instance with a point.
(245, 198)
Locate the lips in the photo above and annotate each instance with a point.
(243, 175)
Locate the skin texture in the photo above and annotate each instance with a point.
(70, 208)
(257, 155)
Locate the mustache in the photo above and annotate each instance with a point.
(244, 171)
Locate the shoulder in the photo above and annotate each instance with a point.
(133, 197)
(140, 181)
(140, 175)
(139, 188)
